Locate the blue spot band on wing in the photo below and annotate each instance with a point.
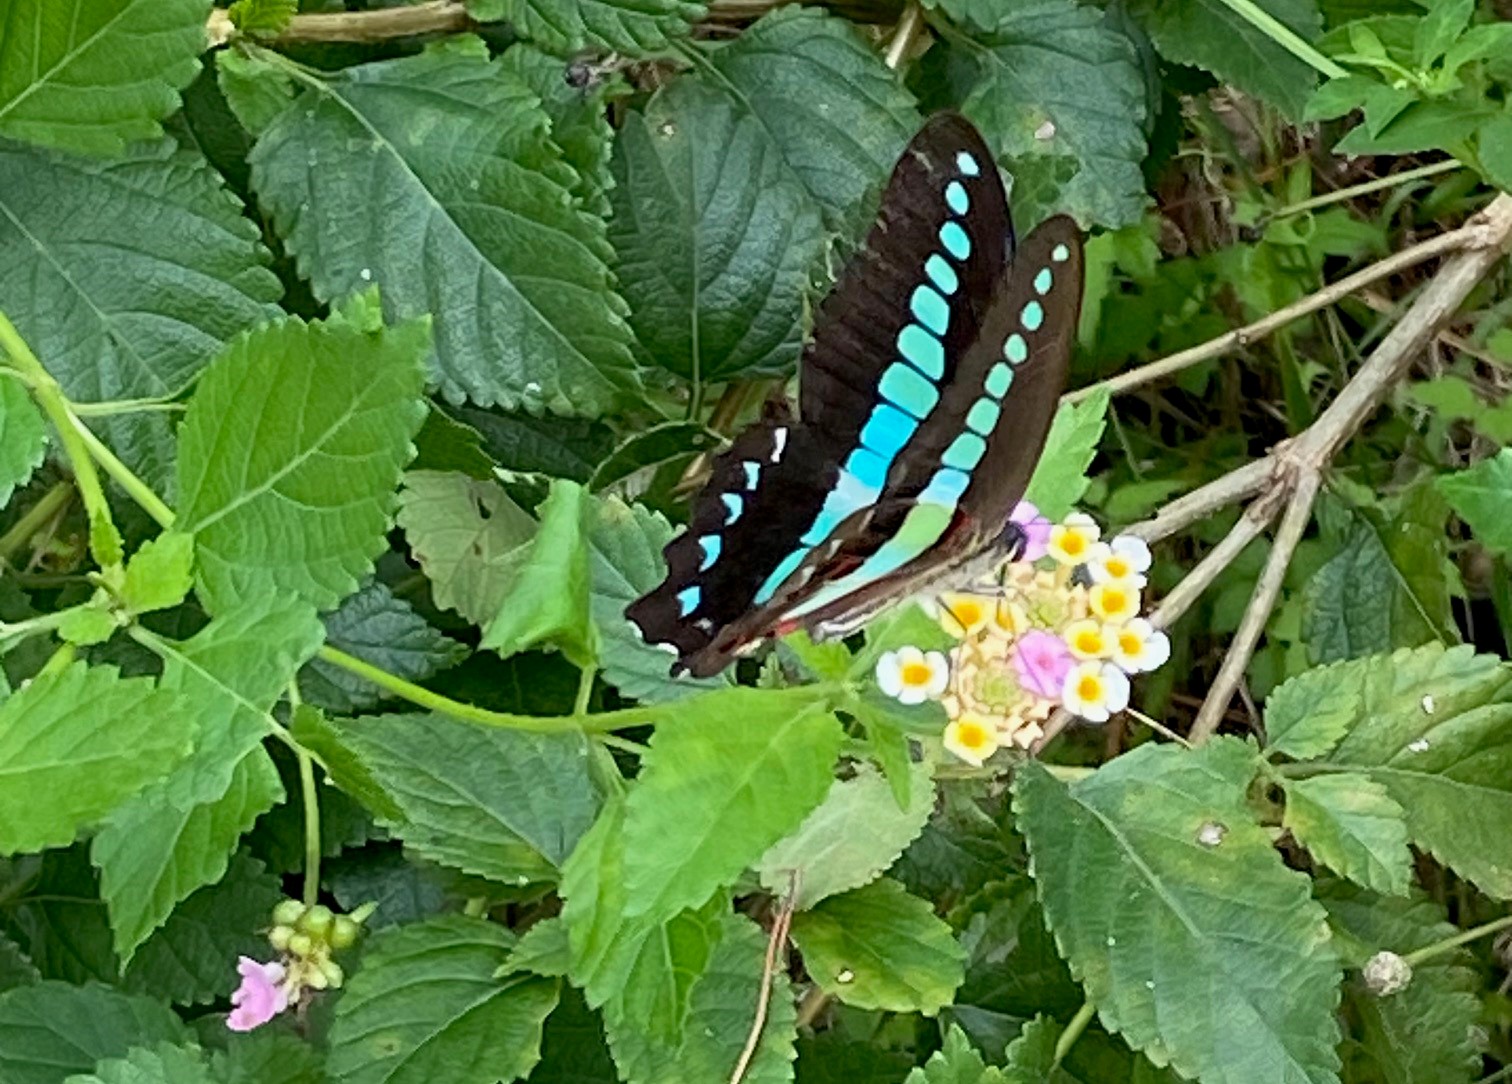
(954, 238)
(711, 546)
(733, 506)
(904, 387)
(687, 600)
(922, 350)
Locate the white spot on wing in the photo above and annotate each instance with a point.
(779, 442)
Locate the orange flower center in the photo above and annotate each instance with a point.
(1073, 544)
(1089, 687)
(1089, 641)
(1129, 642)
(916, 673)
(1117, 567)
(965, 614)
(1115, 602)
(973, 736)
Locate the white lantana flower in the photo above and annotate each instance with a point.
(1095, 690)
(1090, 639)
(1125, 560)
(911, 676)
(972, 738)
(1140, 647)
(1071, 542)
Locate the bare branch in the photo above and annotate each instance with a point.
(776, 945)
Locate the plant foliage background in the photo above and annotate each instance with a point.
(355, 363)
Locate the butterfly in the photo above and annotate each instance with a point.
(925, 396)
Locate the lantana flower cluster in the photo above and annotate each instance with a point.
(304, 937)
(1059, 627)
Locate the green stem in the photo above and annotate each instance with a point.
(585, 690)
(1073, 1031)
(34, 519)
(1502, 1074)
(415, 694)
(1464, 937)
(49, 395)
(614, 741)
(61, 660)
(1284, 36)
(135, 488)
(1433, 169)
(475, 907)
(310, 796)
(113, 407)
(34, 625)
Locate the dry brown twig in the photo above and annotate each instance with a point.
(1290, 476)
(776, 945)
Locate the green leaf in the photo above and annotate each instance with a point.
(627, 541)
(850, 839)
(189, 960)
(1308, 715)
(1494, 140)
(426, 1006)
(721, 782)
(543, 950)
(75, 743)
(299, 504)
(548, 600)
(16, 969)
(715, 236)
(159, 574)
(1060, 477)
(379, 628)
(23, 437)
(95, 75)
(956, 1062)
(1212, 35)
(163, 1064)
(579, 121)
(1424, 1034)
(147, 308)
(563, 26)
(1482, 497)
(50, 1029)
(572, 1048)
(87, 626)
(878, 947)
(263, 16)
(1435, 727)
(499, 803)
(1350, 823)
(634, 464)
(719, 1020)
(654, 999)
(154, 853)
(1182, 943)
(833, 110)
(1055, 61)
(469, 537)
(266, 1056)
(449, 187)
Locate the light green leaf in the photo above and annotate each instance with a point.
(160, 574)
(162, 1064)
(956, 1062)
(147, 308)
(715, 236)
(548, 600)
(499, 803)
(1435, 727)
(154, 853)
(543, 950)
(23, 438)
(719, 1020)
(449, 187)
(256, 89)
(722, 782)
(850, 839)
(652, 1003)
(636, 27)
(87, 626)
(627, 541)
(1055, 61)
(263, 16)
(1494, 140)
(469, 537)
(313, 731)
(299, 502)
(188, 960)
(1060, 478)
(1482, 497)
(379, 628)
(1309, 714)
(1425, 1034)
(50, 1029)
(1178, 917)
(95, 75)
(1351, 824)
(426, 1007)
(833, 110)
(878, 947)
(1213, 35)
(75, 743)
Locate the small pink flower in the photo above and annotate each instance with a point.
(1036, 530)
(261, 996)
(1042, 661)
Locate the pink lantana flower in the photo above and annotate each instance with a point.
(1036, 530)
(261, 996)
(1042, 661)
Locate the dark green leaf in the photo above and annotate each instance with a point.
(449, 187)
(650, 449)
(579, 121)
(50, 1030)
(957, 1062)
(645, 26)
(162, 1064)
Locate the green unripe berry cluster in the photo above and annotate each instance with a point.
(310, 934)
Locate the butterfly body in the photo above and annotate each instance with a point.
(926, 394)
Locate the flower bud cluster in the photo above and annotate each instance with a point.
(1058, 627)
(304, 936)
